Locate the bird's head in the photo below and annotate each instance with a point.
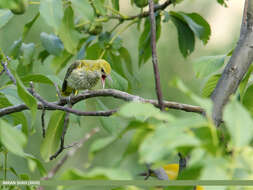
(105, 69)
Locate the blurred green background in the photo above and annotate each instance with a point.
(225, 25)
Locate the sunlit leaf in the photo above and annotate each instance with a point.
(142, 111)
(239, 123)
(210, 85)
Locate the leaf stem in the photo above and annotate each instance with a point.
(123, 29)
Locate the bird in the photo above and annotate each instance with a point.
(84, 75)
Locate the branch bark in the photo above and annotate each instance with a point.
(99, 93)
(236, 67)
(154, 54)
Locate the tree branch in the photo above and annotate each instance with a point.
(144, 14)
(70, 153)
(98, 93)
(237, 66)
(154, 54)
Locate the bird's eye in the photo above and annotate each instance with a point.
(102, 70)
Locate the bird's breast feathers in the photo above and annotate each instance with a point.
(82, 79)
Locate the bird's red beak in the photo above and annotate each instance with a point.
(103, 77)
(103, 81)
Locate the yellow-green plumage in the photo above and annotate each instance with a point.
(84, 74)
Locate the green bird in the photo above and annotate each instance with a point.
(85, 74)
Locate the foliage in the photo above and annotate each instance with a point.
(78, 29)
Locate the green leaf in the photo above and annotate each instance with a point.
(136, 140)
(69, 36)
(115, 4)
(43, 55)
(118, 82)
(125, 55)
(93, 51)
(29, 25)
(163, 142)
(13, 139)
(145, 38)
(245, 81)
(99, 4)
(112, 124)
(28, 99)
(247, 99)
(115, 62)
(223, 2)
(51, 43)
(39, 165)
(52, 12)
(197, 24)
(5, 17)
(59, 62)
(54, 130)
(207, 65)
(210, 85)
(14, 50)
(83, 8)
(239, 124)
(142, 111)
(101, 143)
(27, 51)
(37, 78)
(10, 98)
(185, 36)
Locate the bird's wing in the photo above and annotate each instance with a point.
(69, 71)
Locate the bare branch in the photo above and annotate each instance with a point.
(43, 122)
(154, 54)
(237, 66)
(99, 93)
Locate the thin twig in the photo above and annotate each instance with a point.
(43, 122)
(8, 72)
(69, 154)
(65, 127)
(154, 54)
(143, 14)
(98, 93)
